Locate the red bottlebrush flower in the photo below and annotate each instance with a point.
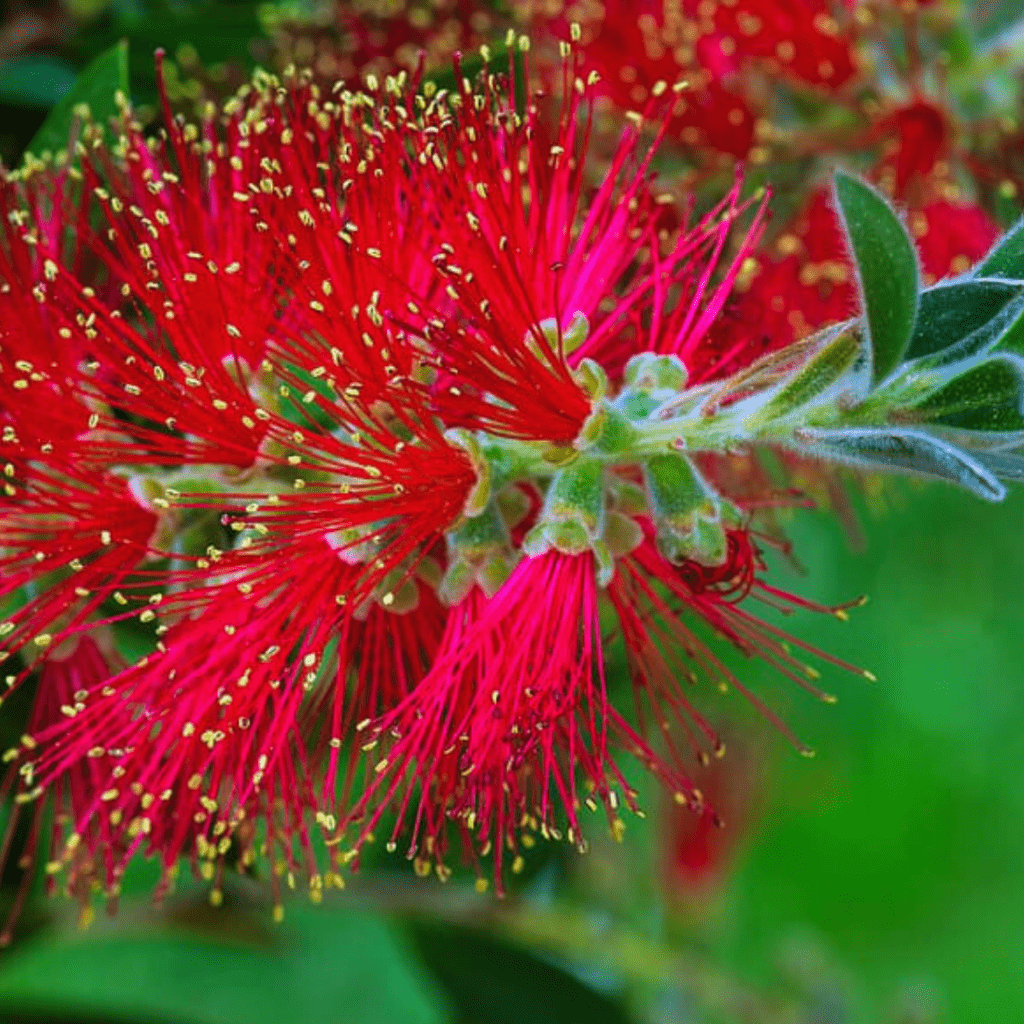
(952, 236)
(498, 732)
(809, 41)
(367, 37)
(384, 38)
(321, 494)
(637, 51)
(697, 848)
(184, 729)
(713, 47)
(205, 465)
(502, 739)
(916, 138)
(67, 675)
(206, 724)
(806, 284)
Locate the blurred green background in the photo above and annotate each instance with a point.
(882, 881)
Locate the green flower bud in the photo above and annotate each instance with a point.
(691, 517)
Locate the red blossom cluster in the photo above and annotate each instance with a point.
(273, 403)
(743, 60)
(777, 85)
(298, 394)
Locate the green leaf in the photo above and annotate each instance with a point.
(95, 87)
(906, 451)
(1005, 465)
(819, 373)
(218, 32)
(950, 312)
(488, 980)
(996, 23)
(223, 966)
(1007, 256)
(35, 80)
(1011, 335)
(886, 269)
(987, 397)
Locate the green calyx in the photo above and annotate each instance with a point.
(691, 518)
(480, 553)
(566, 340)
(653, 374)
(574, 516)
(591, 507)
(480, 493)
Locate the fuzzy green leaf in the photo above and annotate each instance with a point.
(1005, 465)
(95, 87)
(950, 312)
(1003, 333)
(906, 451)
(887, 270)
(814, 378)
(1011, 333)
(1006, 258)
(987, 397)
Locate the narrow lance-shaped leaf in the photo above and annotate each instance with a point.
(96, 87)
(822, 371)
(987, 397)
(1003, 333)
(1007, 256)
(1011, 338)
(904, 451)
(887, 270)
(950, 312)
(1005, 465)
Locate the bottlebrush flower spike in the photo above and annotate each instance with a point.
(498, 736)
(505, 739)
(635, 50)
(714, 47)
(383, 39)
(66, 676)
(379, 532)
